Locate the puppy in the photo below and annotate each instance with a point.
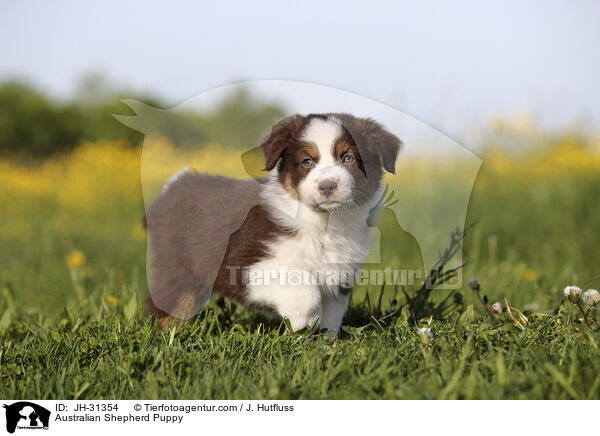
(284, 244)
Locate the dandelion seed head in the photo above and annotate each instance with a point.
(573, 293)
(497, 308)
(425, 332)
(473, 284)
(591, 298)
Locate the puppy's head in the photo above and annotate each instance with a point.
(330, 161)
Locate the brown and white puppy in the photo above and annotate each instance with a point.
(284, 244)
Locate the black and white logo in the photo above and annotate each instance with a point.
(26, 415)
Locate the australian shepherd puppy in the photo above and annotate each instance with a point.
(284, 244)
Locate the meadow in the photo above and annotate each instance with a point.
(73, 281)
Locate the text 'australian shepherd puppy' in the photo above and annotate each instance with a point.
(281, 244)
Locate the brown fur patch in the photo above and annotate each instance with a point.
(342, 146)
(291, 169)
(246, 247)
(372, 139)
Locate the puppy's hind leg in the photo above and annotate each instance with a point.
(162, 318)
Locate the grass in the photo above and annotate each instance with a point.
(227, 354)
(79, 332)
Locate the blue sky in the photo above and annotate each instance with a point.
(450, 64)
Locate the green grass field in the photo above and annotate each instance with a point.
(80, 333)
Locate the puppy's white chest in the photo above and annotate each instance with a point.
(324, 259)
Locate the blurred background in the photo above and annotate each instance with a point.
(514, 83)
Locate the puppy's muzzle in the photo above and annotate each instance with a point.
(327, 187)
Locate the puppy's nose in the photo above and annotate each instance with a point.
(327, 186)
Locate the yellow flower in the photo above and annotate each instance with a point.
(75, 259)
(530, 275)
(113, 301)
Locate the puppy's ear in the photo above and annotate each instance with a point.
(282, 134)
(389, 148)
(386, 145)
(381, 144)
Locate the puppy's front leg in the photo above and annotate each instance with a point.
(333, 313)
(300, 304)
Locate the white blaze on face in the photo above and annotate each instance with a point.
(324, 134)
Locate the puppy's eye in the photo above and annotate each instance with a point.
(308, 163)
(348, 158)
